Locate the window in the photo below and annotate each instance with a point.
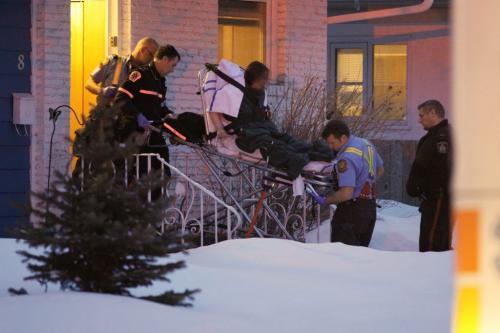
(349, 78)
(389, 80)
(377, 85)
(242, 31)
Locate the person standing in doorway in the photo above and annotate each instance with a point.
(114, 71)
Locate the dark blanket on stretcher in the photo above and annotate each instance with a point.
(280, 149)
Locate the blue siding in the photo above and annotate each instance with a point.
(10, 221)
(14, 158)
(15, 77)
(13, 83)
(15, 14)
(11, 204)
(10, 60)
(14, 181)
(9, 136)
(14, 39)
(5, 109)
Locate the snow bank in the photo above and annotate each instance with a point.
(254, 285)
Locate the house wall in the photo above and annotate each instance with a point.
(190, 25)
(429, 70)
(50, 86)
(428, 77)
(302, 41)
(302, 35)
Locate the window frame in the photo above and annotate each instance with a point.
(368, 76)
(394, 124)
(241, 22)
(333, 67)
(270, 36)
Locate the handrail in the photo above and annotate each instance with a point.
(204, 190)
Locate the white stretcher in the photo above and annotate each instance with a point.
(270, 203)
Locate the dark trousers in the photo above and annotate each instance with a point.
(353, 222)
(435, 227)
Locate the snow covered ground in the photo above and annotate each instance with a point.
(260, 285)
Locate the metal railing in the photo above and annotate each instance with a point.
(240, 184)
(189, 206)
(213, 206)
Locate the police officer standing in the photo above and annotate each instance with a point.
(112, 72)
(140, 101)
(429, 178)
(357, 167)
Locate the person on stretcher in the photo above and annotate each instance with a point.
(254, 129)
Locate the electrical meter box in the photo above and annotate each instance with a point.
(23, 109)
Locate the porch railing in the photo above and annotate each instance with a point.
(189, 206)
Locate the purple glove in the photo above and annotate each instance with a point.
(318, 198)
(109, 91)
(142, 121)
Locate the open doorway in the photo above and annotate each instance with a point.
(88, 48)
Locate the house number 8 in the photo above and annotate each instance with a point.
(20, 62)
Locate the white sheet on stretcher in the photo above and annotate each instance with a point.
(223, 97)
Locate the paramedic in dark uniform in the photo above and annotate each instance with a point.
(105, 80)
(429, 178)
(140, 100)
(357, 166)
(101, 83)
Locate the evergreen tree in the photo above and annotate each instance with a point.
(101, 237)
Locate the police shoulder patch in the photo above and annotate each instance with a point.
(442, 147)
(342, 166)
(134, 76)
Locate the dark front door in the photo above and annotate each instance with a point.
(15, 72)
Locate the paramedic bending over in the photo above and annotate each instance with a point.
(253, 106)
(357, 168)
